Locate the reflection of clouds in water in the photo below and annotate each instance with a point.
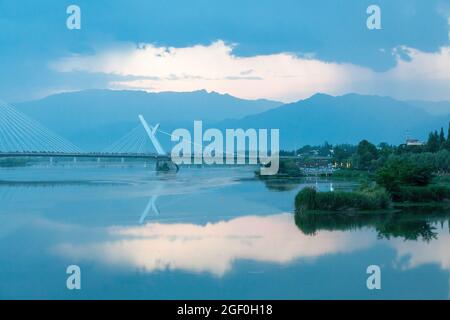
(214, 247)
(419, 252)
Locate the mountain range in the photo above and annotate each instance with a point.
(93, 119)
(345, 119)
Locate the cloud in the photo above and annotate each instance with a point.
(421, 253)
(283, 76)
(421, 76)
(334, 31)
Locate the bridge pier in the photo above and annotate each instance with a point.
(166, 165)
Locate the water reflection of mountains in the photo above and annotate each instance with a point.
(413, 223)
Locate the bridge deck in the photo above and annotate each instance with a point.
(155, 156)
(83, 155)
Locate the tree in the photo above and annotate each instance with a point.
(448, 132)
(441, 138)
(433, 143)
(400, 172)
(343, 152)
(324, 150)
(447, 143)
(304, 149)
(366, 153)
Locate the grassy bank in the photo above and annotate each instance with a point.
(407, 181)
(400, 180)
(352, 174)
(415, 194)
(368, 199)
(411, 223)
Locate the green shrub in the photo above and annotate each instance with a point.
(421, 194)
(288, 168)
(370, 199)
(351, 173)
(401, 172)
(306, 199)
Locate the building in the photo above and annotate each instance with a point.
(413, 142)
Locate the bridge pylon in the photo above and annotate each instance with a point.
(162, 165)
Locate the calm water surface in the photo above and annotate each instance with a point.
(203, 233)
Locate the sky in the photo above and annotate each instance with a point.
(283, 50)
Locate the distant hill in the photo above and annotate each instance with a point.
(344, 119)
(435, 108)
(93, 119)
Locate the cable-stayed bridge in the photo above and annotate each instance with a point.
(21, 136)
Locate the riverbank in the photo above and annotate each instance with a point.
(409, 222)
(399, 180)
(364, 199)
(372, 199)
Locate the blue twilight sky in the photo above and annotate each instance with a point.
(284, 50)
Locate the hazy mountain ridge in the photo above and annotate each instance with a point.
(435, 108)
(348, 118)
(93, 119)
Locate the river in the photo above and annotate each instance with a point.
(209, 233)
